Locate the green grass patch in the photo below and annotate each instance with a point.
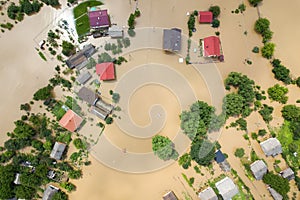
(42, 56)
(285, 136)
(82, 25)
(82, 8)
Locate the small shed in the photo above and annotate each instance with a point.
(49, 192)
(99, 112)
(172, 39)
(288, 174)
(58, 150)
(275, 194)
(205, 17)
(87, 95)
(84, 77)
(219, 157)
(115, 31)
(208, 194)
(227, 189)
(271, 147)
(170, 196)
(259, 169)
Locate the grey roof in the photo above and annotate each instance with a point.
(172, 39)
(58, 150)
(288, 174)
(208, 194)
(115, 31)
(80, 59)
(170, 196)
(102, 114)
(271, 147)
(259, 169)
(84, 77)
(227, 189)
(49, 192)
(87, 95)
(104, 106)
(275, 194)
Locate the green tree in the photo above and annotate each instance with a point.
(78, 143)
(215, 23)
(116, 97)
(131, 21)
(13, 11)
(203, 152)
(254, 2)
(266, 113)
(267, 50)
(60, 195)
(7, 174)
(185, 161)
(68, 48)
(215, 10)
(233, 104)
(25, 107)
(278, 93)
(75, 174)
(68, 186)
(163, 148)
(24, 192)
(278, 183)
(239, 152)
(295, 128)
(26, 7)
(262, 25)
(267, 36)
(43, 93)
(109, 120)
(291, 113)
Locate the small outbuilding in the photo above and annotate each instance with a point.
(58, 150)
(49, 192)
(205, 17)
(208, 194)
(170, 196)
(271, 147)
(99, 112)
(227, 189)
(115, 31)
(71, 121)
(106, 71)
(275, 194)
(84, 77)
(259, 169)
(211, 46)
(288, 174)
(172, 39)
(80, 59)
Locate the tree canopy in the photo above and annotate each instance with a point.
(291, 113)
(68, 48)
(262, 25)
(278, 93)
(267, 50)
(280, 72)
(43, 93)
(215, 10)
(203, 152)
(164, 148)
(254, 2)
(278, 183)
(233, 104)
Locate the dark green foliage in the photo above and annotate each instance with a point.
(13, 11)
(262, 25)
(16, 144)
(242, 124)
(242, 7)
(131, 32)
(215, 23)
(109, 120)
(137, 13)
(266, 113)
(239, 152)
(215, 10)
(262, 132)
(233, 104)
(120, 60)
(295, 128)
(164, 148)
(254, 2)
(191, 24)
(28, 8)
(91, 64)
(131, 21)
(68, 48)
(30, 180)
(281, 185)
(79, 144)
(267, 50)
(38, 145)
(278, 93)
(267, 36)
(298, 81)
(7, 174)
(297, 180)
(52, 35)
(281, 72)
(68, 186)
(43, 93)
(75, 174)
(255, 49)
(24, 192)
(185, 161)
(60, 195)
(64, 166)
(291, 113)
(6, 156)
(23, 130)
(203, 152)
(53, 3)
(115, 97)
(25, 107)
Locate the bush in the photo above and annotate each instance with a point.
(43, 93)
(254, 2)
(291, 113)
(78, 143)
(25, 107)
(137, 13)
(239, 152)
(215, 23)
(215, 10)
(203, 152)
(262, 132)
(262, 25)
(255, 49)
(68, 48)
(109, 120)
(131, 32)
(278, 93)
(266, 113)
(267, 50)
(185, 161)
(163, 148)
(131, 21)
(115, 97)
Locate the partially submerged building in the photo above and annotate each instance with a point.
(211, 46)
(58, 150)
(208, 194)
(172, 39)
(99, 19)
(115, 31)
(205, 17)
(71, 121)
(84, 77)
(227, 189)
(271, 147)
(259, 169)
(88, 95)
(275, 194)
(170, 196)
(49, 192)
(106, 71)
(80, 59)
(221, 160)
(288, 174)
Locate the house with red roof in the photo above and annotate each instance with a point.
(99, 19)
(71, 121)
(106, 71)
(205, 17)
(211, 46)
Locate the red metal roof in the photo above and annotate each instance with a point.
(70, 121)
(211, 46)
(205, 16)
(106, 71)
